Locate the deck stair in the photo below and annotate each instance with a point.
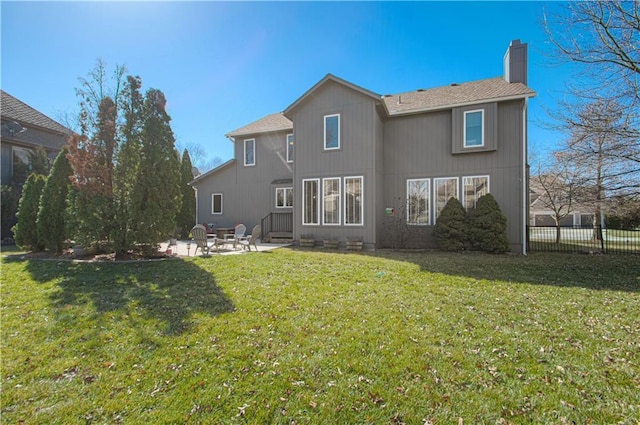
(279, 237)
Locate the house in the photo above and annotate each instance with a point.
(24, 129)
(548, 192)
(343, 162)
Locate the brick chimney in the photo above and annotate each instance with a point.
(515, 63)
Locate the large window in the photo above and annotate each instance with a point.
(284, 197)
(289, 147)
(444, 189)
(249, 152)
(216, 203)
(418, 201)
(332, 132)
(473, 129)
(310, 201)
(331, 201)
(472, 189)
(353, 203)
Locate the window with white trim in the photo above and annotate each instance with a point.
(249, 152)
(289, 147)
(310, 201)
(353, 201)
(216, 203)
(473, 128)
(473, 188)
(284, 197)
(331, 201)
(443, 190)
(418, 201)
(332, 132)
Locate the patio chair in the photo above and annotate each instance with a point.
(199, 235)
(251, 239)
(238, 233)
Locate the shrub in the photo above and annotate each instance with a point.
(9, 204)
(25, 231)
(53, 203)
(488, 226)
(450, 231)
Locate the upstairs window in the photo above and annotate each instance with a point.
(289, 147)
(216, 203)
(249, 152)
(332, 132)
(473, 129)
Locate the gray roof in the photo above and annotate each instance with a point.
(455, 95)
(16, 110)
(273, 122)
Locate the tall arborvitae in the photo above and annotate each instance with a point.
(127, 167)
(53, 203)
(25, 231)
(187, 215)
(156, 196)
(487, 226)
(92, 161)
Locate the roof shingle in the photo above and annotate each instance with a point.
(14, 109)
(454, 95)
(273, 122)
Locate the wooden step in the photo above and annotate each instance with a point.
(279, 237)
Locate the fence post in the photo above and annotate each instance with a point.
(601, 238)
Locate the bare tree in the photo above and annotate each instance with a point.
(199, 157)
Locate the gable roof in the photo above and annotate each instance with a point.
(327, 78)
(455, 95)
(273, 122)
(210, 172)
(16, 110)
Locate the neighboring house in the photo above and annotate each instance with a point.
(541, 213)
(24, 129)
(358, 156)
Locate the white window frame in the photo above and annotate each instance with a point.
(253, 147)
(427, 207)
(464, 129)
(213, 195)
(346, 215)
(304, 203)
(285, 192)
(337, 198)
(464, 192)
(288, 143)
(435, 194)
(325, 132)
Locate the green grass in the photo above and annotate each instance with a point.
(305, 336)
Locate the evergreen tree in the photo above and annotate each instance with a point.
(92, 162)
(25, 231)
(156, 195)
(53, 203)
(127, 167)
(187, 215)
(39, 161)
(488, 226)
(450, 231)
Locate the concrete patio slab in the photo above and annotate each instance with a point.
(186, 248)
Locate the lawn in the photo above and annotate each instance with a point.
(306, 336)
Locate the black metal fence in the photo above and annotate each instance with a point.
(582, 239)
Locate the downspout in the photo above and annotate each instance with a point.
(525, 206)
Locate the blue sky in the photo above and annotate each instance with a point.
(222, 65)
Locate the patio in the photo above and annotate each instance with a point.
(186, 248)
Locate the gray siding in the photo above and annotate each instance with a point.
(248, 193)
(419, 146)
(360, 128)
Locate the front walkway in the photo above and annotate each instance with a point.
(186, 248)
